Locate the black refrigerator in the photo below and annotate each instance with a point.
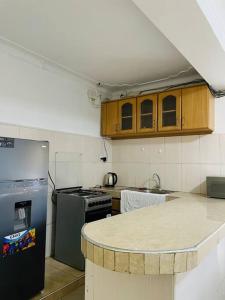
(23, 205)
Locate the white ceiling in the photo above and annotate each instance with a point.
(214, 11)
(107, 40)
(197, 29)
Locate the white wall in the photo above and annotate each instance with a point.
(34, 93)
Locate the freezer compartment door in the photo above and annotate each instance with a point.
(23, 159)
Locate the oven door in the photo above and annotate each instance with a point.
(97, 214)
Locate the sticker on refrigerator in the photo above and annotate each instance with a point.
(18, 242)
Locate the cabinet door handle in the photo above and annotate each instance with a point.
(153, 123)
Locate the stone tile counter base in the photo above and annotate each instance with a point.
(205, 282)
(171, 238)
(139, 263)
(173, 251)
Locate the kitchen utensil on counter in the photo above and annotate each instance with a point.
(110, 179)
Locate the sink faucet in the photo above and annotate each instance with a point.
(156, 179)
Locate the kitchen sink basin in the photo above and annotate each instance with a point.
(156, 191)
(153, 191)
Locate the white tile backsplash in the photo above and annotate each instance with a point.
(191, 178)
(93, 173)
(141, 172)
(125, 172)
(93, 150)
(157, 150)
(190, 152)
(172, 177)
(210, 149)
(173, 149)
(160, 170)
(142, 153)
(181, 162)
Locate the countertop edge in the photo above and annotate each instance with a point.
(149, 262)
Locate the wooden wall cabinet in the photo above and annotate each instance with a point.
(109, 119)
(176, 112)
(147, 113)
(197, 109)
(169, 118)
(127, 116)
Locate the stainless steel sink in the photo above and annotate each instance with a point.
(153, 191)
(156, 191)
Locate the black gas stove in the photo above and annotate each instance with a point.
(93, 200)
(75, 207)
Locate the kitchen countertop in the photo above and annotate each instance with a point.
(115, 191)
(165, 239)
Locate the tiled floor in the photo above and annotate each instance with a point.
(61, 282)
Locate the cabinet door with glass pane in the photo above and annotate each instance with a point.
(147, 113)
(127, 116)
(169, 111)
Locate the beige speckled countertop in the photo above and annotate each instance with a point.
(115, 192)
(166, 239)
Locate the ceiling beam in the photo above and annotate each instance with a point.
(187, 28)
